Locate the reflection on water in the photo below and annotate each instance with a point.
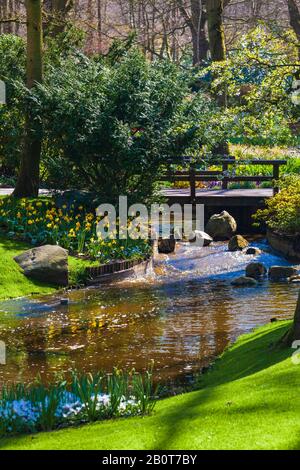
(181, 318)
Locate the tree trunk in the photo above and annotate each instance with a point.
(294, 13)
(217, 48)
(199, 39)
(28, 180)
(216, 34)
(294, 333)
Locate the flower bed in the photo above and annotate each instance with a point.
(40, 221)
(86, 398)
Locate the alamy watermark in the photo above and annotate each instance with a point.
(296, 354)
(2, 353)
(295, 97)
(159, 221)
(2, 92)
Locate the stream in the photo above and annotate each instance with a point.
(181, 316)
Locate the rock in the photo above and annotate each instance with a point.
(294, 279)
(244, 281)
(202, 238)
(166, 245)
(237, 243)
(221, 226)
(276, 273)
(256, 270)
(64, 301)
(47, 263)
(252, 250)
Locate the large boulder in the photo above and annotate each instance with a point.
(256, 270)
(202, 238)
(237, 243)
(166, 245)
(47, 263)
(276, 273)
(244, 281)
(221, 226)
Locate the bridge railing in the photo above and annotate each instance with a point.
(193, 175)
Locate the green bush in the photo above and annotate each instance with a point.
(283, 210)
(12, 72)
(111, 127)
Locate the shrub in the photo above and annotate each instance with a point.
(12, 72)
(113, 125)
(283, 210)
(258, 77)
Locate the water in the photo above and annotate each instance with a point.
(181, 316)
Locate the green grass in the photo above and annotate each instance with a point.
(250, 400)
(12, 282)
(77, 270)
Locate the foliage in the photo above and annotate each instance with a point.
(113, 125)
(108, 123)
(40, 221)
(83, 398)
(12, 72)
(283, 210)
(258, 78)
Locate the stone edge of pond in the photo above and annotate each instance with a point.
(286, 244)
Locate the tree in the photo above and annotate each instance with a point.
(216, 33)
(217, 49)
(294, 13)
(196, 22)
(57, 11)
(28, 179)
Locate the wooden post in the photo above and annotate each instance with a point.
(193, 189)
(224, 181)
(275, 177)
(192, 184)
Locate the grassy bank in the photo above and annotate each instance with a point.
(14, 284)
(249, 401)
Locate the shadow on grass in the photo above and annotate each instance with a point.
(251, 354)
(245, 358)
(9, 244)
(10, 277)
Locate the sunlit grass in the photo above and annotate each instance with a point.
(13, 283)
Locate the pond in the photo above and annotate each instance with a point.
(181, 316)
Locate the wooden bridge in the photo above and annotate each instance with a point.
(241, 203)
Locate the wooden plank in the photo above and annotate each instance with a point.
(219, 193)
(213, 178)
(230, 161)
